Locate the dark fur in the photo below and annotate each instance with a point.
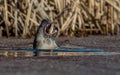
(43, 41)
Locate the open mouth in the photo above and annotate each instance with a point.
(50, 29)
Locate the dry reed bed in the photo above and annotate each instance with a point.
(73, 17)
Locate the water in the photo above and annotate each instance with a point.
(20, 52)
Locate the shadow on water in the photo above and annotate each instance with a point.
(21, 52)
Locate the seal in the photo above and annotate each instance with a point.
(45, 36)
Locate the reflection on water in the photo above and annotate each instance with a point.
(57, 52)
(16, 53)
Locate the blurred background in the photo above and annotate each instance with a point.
(20, 18)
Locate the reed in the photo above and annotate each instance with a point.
(20, 18)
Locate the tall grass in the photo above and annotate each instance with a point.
(73, 17)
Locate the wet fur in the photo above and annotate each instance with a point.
(43, 41)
